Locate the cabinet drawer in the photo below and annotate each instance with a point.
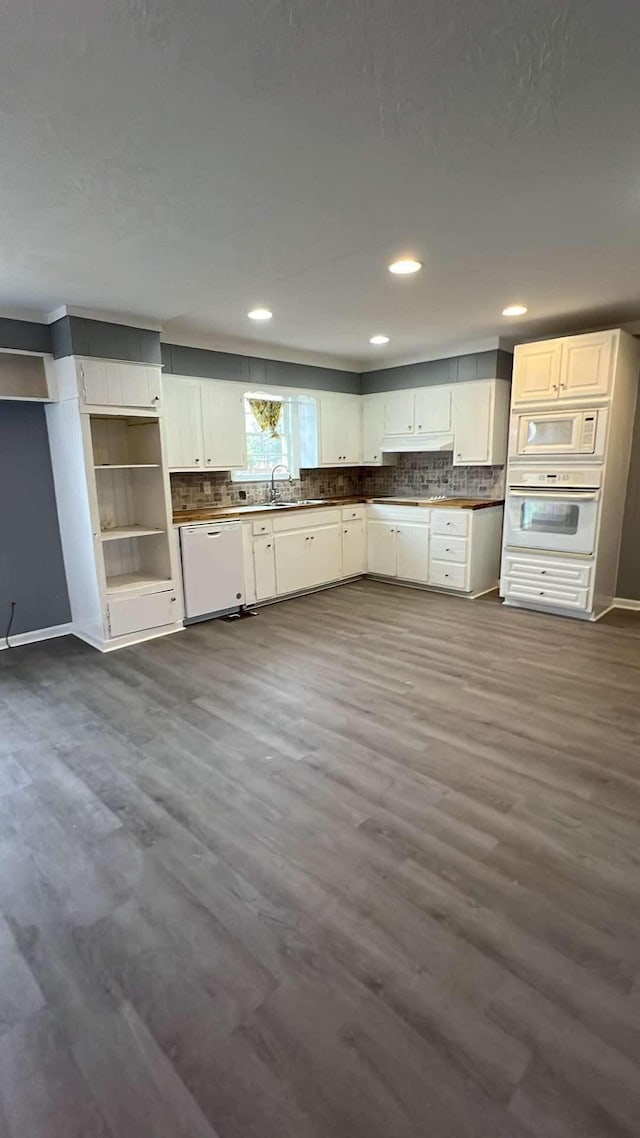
(453, 522)
(265, 525)
(353, 513)
(135, 614)
(449, 548)
(447, 575)
(547, 571)
(563, 597)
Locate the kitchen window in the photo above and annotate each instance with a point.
(281, 430)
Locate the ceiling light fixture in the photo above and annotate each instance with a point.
(379, 340)
(405, 267)
(514, 310)
(260, 314)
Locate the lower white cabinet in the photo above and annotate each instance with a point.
(353, 547)
(307, 558)
(444, 548)
(399, 548)
(140, 613)
(264, 566)
(289, 553)
(555, 582)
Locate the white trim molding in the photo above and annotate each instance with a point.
(37, 635)
(626, 603)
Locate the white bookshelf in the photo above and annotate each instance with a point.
(114, 504)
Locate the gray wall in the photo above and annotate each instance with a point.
(178, 360)
(25, 336)
(455, 369)
(31, 565)
(75, 335)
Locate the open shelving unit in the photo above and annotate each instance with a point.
(132, 507)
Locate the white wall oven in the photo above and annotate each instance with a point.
(559, 433)
(553, 511)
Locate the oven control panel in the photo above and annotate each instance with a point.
(564, 478)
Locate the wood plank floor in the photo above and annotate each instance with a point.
(366, 865)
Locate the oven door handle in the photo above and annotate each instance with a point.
(566, 495)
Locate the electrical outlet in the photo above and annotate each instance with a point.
(206, 486)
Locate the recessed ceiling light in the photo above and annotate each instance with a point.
(379, 340)
(514, 310)
(405, 267)
(260, 314)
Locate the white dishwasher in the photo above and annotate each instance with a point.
(212, 569)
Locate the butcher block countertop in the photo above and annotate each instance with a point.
(441, 503)
(211, 513)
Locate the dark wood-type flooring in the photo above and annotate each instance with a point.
(365, 866)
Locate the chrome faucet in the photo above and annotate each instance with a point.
(275, 493)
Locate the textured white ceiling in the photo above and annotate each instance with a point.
(185, 161)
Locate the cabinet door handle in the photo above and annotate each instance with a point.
(313, 539)
(419, 426)
(408, 426)
(196, 460)
(269, 545)
(555, 386)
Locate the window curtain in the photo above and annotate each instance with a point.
(267, 414)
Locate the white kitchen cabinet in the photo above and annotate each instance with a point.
(126, 615)
(586, 365)
(399, 546)
(565, 369)
(536, 374)
(204, 423)
(412, 551)
(432, 413)
(292, 553)
(264, 565)
(326, 554)
(340, 430)
(183, 423)
(480, 421)
(353, 547)
(372, 428)
(111, 384)
(307, 558)
(452, 549)
(381, 546)
(399, 412)
(223, 426)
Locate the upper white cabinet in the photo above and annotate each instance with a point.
(204, 422)
(570, 368)
(223, 426)
(373, 409)
(423, 411)
(106, 383)
(480, 416)
(183, 423)
(399, 413)
(432, 414)
(110, 384)
(340, 430)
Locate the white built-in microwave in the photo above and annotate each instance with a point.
(559, 434)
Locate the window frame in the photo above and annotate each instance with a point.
(291, 429)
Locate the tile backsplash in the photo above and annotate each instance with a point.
(420, 474)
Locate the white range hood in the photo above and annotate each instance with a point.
(416, 444)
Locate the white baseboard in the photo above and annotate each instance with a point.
(626, 603)
(36, 635)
